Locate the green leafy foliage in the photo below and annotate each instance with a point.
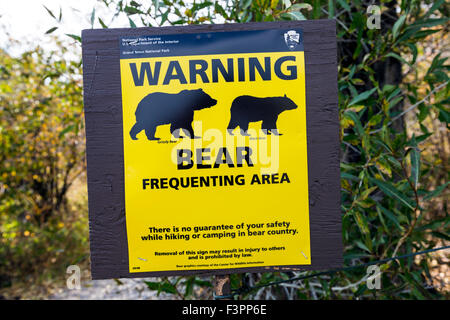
(41, 155)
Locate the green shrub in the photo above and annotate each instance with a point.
(42, 153)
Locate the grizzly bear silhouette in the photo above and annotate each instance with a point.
(246, 109)
(159, 108)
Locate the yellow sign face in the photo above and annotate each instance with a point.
(215, 154)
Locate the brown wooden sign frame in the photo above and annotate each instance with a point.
(104, 144)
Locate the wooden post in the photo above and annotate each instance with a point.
(222, 286)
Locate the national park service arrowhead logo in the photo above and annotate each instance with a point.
(292, 39)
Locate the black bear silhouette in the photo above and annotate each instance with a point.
(246, 109)
(176, 109)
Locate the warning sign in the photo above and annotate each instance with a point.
(215, 150)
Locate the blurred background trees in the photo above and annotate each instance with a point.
(393, 104)
(42, 153)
